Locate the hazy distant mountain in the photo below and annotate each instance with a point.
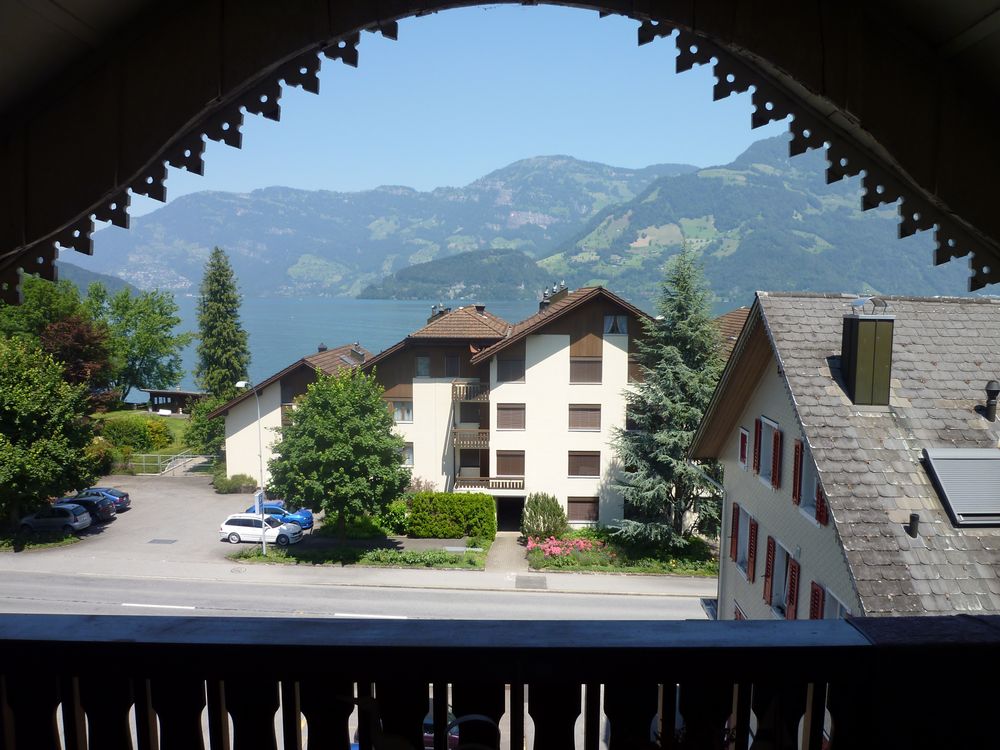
(288, 241)
(83, 278)
(765, 221)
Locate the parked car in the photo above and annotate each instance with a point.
(119, 498)
(69, 518)
(246, 527)
(99, 508)
(276, 509)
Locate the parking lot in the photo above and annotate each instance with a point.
(171, 518)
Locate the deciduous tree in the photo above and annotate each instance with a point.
(43, 430)
(338, 452)
(681, 362)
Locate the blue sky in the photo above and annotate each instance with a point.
(465, 92)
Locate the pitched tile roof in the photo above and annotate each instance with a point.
(328, 362)
(555, 310)
(945, 350)
(730, 324)
(468, 322)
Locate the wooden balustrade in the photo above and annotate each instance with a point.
(489, 483)
(899, 682)
(462, 437)
(470, 392)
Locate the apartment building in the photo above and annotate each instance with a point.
(859, 444)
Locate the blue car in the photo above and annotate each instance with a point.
(119, 498)
(276, 509)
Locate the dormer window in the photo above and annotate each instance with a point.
(616, 324)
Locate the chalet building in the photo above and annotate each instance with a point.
(273, 397)
(861, 460)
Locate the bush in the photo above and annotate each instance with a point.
(236, 484)
(392, 520)
(127, 432)
(543, 517)
(447, 515)
(159, 434)
(101, 454)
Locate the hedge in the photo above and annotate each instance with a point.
(451, 515)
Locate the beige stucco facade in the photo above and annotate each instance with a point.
(430, 431)
(815, 547)
(242, 435)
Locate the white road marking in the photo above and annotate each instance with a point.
(156, 606)
(370, 617)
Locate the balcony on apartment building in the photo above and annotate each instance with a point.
(175, 683)
(470, 391)
(470, 438)
(489, 483)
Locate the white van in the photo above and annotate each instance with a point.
(246, 527)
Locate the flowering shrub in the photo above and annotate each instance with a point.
(553, 547)
(580, 550)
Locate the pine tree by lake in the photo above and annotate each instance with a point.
(284, 329)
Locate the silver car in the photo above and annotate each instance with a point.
(68, 518)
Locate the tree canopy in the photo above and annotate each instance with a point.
(679, 353)
(223, 351)
(338, 452)
(143, 341)
(43, 430)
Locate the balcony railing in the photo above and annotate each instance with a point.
(470, 392)
(885, 683)
(489, 483)
(467, 438)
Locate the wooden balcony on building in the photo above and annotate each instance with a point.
(176, 683)
(470, 392)
(489, 483)
(463, 437)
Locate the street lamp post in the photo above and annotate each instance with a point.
(259, 495)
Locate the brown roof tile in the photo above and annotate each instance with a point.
(730, 325)
(334, 360)
(468, 322)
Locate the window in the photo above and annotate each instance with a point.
(422, 367)
(834, 609)
(616, 323)
(469, 412)
(510, 463)
(510, 370)
(767, 452)
(635, 372)
(825, 606)
(452, 366)
(631, 422)
(744, 448)
(743, 542)
(738, 613)
(510, 416)
(781, 580)
(805, 483)
(402, 411)
(468, 459)
(582, 508)
(585, 417)
(585, 463)
(408, 454)
(585, 370)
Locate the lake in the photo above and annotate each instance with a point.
(284, 329)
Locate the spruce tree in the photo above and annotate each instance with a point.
(680, 357)
(223, 352)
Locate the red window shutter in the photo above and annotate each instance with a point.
(752, 552)
(743, 448)
(738, 614)
(792, 601)
(776, 460)
(769, 569)
(822, 509)
(797, 474)
(817, 600)
(734, 530)
(757, 430)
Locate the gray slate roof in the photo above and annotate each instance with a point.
(945, 350)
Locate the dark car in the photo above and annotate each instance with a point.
(99, 508)
(276, 509)
(119, 498)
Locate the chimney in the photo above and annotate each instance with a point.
(558, 292)
(992, 392)
(321, 348)
(356, 352)
(480, 308)
(544, 302)
(866, 352)
(437, 311)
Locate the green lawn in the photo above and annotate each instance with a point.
(346, 555)
(21, 542)
(177, 425)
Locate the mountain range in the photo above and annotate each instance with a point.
(763, 221)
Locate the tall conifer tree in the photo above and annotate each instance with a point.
(680, 357)
(223, 351)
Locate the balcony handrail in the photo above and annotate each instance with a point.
(468, 437)
(95, 669)
(470, 391)
(492, 483)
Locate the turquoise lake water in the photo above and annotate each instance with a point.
(282, 329)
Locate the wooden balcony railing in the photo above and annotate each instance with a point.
(466, 438)
(489, 483)
(115, 680)
(470, 392)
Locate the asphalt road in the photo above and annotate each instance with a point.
(164, 557)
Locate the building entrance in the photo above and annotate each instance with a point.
(509, 511)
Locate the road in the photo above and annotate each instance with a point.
(53, 593)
